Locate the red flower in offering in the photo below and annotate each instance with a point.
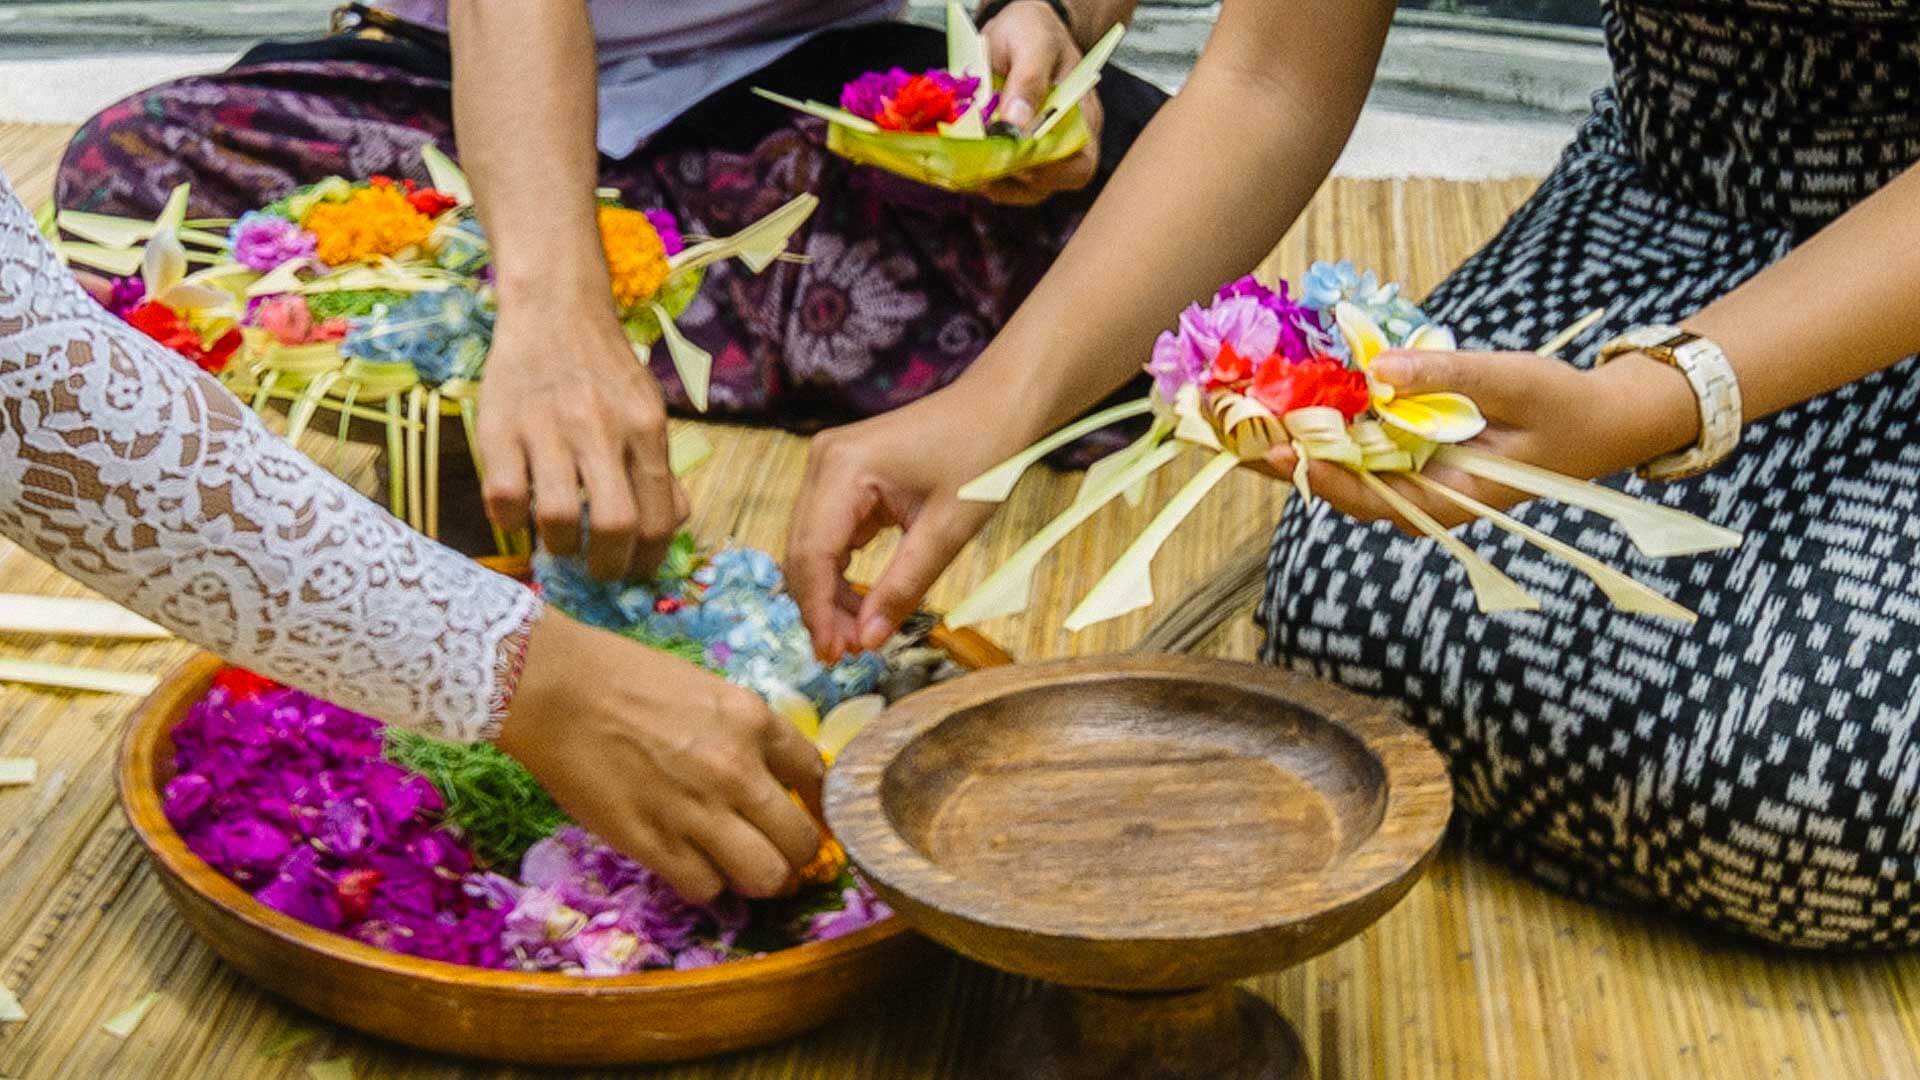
(243, 685)
(431, 201)
(1284, 385)
(1229, 369)
(667, 605)
(164, 325)
(921, 105)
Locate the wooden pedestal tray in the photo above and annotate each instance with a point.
(1139, 832)
(531, 1017)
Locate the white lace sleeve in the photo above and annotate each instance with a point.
(127, 468)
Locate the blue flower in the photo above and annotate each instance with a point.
(1326, 284)
(443, 335)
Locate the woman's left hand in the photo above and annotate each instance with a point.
(1580, 423)
(1031, 49)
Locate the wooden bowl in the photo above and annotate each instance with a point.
(1157, 826)
(531, 1018)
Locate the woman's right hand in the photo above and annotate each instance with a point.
(904, 469)
(677, 768)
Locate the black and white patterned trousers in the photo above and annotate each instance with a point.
(1758, 770)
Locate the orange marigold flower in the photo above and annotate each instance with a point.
(371, 222)
(636, 257)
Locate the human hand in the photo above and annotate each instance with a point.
(566, 406)
(902, 468)
(675, 767)
(1580, 423)
(1031, 49)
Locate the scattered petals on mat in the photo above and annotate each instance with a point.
(122, 1023)
(18, 771)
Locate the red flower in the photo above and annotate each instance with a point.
(921, 105)
(164, 325)
(667, 605)
(1284, 385)
(1229, 369)
(354, 889)
(241, 684)
(431, 201)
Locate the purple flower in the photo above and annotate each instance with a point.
(868, 94)
(862, 910)
(301, 890)
(1181, 357)
(127, 294)
(699, 956)
(186, 796)
(263, 241)
(1301, 335)
(668, 229)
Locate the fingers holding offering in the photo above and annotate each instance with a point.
(675, 767)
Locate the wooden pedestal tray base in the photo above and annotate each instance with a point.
(1140, 832)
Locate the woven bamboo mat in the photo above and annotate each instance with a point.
(1476, 974)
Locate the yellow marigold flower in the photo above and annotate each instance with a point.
(372, 222)
(636, 258)
(826, 866)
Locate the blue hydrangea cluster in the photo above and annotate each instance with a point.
(734, 605)
(1326, 284)
(443, 335)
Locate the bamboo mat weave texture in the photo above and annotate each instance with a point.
(1477, 974)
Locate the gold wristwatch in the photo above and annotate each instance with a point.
(1714, 387)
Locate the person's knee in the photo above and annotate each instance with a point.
(122, 160)
(1809, 853)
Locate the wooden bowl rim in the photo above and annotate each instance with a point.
(144, 807)
(1414, 777)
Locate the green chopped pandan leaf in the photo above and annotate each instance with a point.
(352, 304)
(494, 802)
(17, 771)
(683, 558)
(123, 1022)
(290, 1038)
(11, 1011)
(47, 220)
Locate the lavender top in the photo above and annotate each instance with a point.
(659, 59)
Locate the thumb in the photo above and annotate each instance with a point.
(1028, 71)
(935, 537)
(1495, 381)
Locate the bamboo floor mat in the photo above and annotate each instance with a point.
(1476, 974)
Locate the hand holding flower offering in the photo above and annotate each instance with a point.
(944, 128)
(374, 299)
(1258, 378)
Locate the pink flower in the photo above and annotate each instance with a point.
(286, 318)
(1184, 356)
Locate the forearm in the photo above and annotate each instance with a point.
(525, 107)
(1840, 307)
(1210, 186)
(141, 477)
